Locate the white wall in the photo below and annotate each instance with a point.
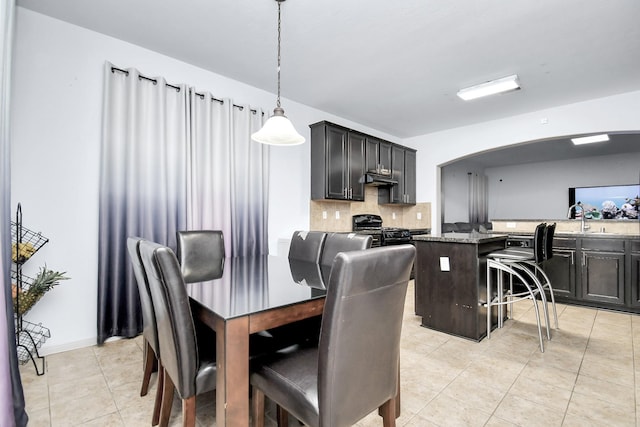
(56, 123)
(534, 190)
(613, 113)
(540, 190)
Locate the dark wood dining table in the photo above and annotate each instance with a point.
(252, 294)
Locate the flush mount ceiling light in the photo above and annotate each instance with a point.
(504, 84)
(278, 130)
(590, 139)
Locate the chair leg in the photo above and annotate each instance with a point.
(258, 407)
(388, 413)
(397, 397)
(167, 400)
(189, 412)
(283, 416)
(158, 402)
(149, 360)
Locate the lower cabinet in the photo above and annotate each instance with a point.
(596, 271)
(602, 277)
(561, 268)
(602, 270)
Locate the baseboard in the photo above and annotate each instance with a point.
(89, 342)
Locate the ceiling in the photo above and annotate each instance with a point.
(394, 66)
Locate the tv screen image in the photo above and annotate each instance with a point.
(606, 202)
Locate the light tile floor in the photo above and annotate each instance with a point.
(585, 377)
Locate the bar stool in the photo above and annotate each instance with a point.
(521, 264)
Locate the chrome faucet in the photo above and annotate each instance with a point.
(583, 225)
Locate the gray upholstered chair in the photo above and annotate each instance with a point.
(307, 245)
(201, 254)
(188, 360)
(149, 328)
(351, 372)
(343, 242)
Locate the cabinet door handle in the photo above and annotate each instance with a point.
(572, 258)
(351, 193)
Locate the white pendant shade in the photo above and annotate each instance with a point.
(278, 130)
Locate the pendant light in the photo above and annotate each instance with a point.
(278, 130)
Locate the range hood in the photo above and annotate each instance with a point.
(378, 180)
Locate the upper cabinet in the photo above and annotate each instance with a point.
(337, 162)
(403, 165)
(378, 154)
(340, 157)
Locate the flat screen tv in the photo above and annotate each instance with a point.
(606, 202)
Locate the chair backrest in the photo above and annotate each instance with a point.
(201, 254)
(548, 240)
(359, 346)
(307, 245)
(176, 331)
(149, 328)
(538, 242)
(343, 242)
(306, 273)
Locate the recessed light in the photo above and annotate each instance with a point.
(504, 84)
(590, 139)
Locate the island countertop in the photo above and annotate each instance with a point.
(472, 238)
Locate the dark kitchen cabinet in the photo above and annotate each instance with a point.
(561, 268)
(602, 270)
(378, 152)
(403, 165)
(451, 299)
(337, 162)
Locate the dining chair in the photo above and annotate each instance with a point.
(351, 371)
(343, 242)
(201, 254)
(307, 245)
(151, 348)
(188, 359)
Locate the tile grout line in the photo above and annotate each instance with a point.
(579, 369)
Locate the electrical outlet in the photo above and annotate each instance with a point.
(419, 216)
(324, 214)
(393, 215)
(337, 214)
(511, 225)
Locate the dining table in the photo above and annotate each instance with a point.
(249, 295)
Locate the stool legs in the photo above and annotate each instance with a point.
(499, 301)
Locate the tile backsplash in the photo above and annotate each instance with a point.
(327, 215)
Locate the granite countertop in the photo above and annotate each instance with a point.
(473, 237)
(591, 234)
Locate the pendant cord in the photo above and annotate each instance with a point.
(279, 40)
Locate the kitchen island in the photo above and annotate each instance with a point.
(450, 281)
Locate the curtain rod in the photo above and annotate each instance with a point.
(177, 88)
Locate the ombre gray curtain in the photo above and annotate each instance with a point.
(172, 159)
(142, 186)
(12, 405)
(229, 174)
(478, 198)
